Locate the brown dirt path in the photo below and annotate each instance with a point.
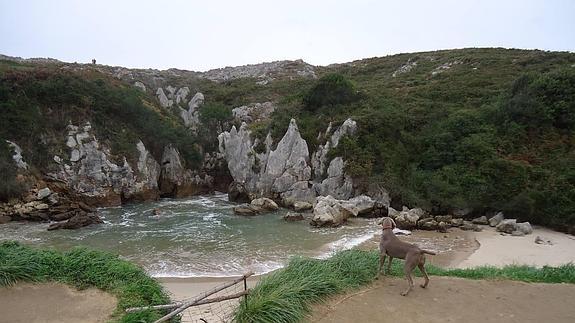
(452, 300)
(52, 302)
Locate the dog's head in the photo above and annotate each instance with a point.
(387, 223)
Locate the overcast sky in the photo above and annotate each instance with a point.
(200, 35)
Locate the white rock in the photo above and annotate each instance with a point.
(43, 193)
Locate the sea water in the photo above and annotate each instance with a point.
(198, 237)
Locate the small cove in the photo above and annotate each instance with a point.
(198, 237)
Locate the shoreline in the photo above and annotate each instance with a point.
(456, 249)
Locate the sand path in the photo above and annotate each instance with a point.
(52, 302)
(452, 300)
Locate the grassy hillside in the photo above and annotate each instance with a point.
(487, 129)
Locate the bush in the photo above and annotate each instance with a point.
(330, 90)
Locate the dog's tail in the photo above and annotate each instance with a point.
(428, 252)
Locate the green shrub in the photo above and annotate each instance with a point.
(330, 90)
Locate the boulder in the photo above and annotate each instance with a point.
(507, 226)
(469, 226)
(407, 219)
(265, 203)
(254, 112)
(77, 221)
(293, 216)
(238, 193)
(496, 219)
(329, 212)
(427, 224)
(456, 222)
(247, 210)
(43, 193)
(360, 205)
(480, 220)
(392, 213)
(517, 233)
(462, 213)
(524, 227)
(442, 227)
(41, 206)
(300, 206)
(444, 218)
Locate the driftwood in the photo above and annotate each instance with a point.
(202, 302)
(201, 297)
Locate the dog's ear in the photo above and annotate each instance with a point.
(394, 225)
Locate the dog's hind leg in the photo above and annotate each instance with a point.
(421, 266)
(408, 267)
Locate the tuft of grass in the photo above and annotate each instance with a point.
(287, 294)
(83, 268)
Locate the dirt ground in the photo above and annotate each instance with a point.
(51, 303)
(452, 300)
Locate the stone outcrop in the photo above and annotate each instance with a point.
(163, 99)
(76, 222)
(254, 112)
(17, 157)
(191, 116)
(329, 212)
(293, 217)
(496, 219)
(139, 85)
(264, 72)
(265, 204)
(283, 173)
(407, 218)
(178, 181)
(90, 173)
(480, 220)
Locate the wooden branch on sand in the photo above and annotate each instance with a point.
(202, 302)
(200, 297)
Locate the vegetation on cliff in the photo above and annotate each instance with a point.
(83, 268)
(287, 294)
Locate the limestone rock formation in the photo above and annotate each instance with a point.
(407, 219)
(140, 86)
(254, 112)
(164, 101)
(329, 211)
(17, 157)
(496, 219)
(191, 116)
(177, 181)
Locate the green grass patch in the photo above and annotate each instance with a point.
(83, 268)
(287, 294)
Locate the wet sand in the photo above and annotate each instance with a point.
(54, 303)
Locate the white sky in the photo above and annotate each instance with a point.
(200, 35)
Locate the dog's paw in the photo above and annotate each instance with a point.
(422, 286)
(404, 293)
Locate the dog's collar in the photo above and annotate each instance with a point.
(390, 226)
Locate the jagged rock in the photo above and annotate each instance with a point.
(43, 193)
(237, 193)
(337, 182)
(329, 212)
(392, 213)
(496, 219)
(248, 210)
(140, 86)
(17, 157)
(469, 226)
(300, 206)
(5, 219)
(265, 203)
(319, 158)
(507, 226)
(427, 224)
(182, 94)
(254, 112)
(407, 219)
(77, 221)
(96, 179)
(293, 216)
(177, 181)
(299, 191)
(457, 222)
(444, 218)
(442, 227)
(360, 205)
(480, 220)
(405, 67)
(164, 101)
(191, 116)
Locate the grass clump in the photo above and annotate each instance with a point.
(287, 294)
(83, 268)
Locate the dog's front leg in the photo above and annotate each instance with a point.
(381, 268)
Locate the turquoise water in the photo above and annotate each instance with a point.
(198, 236)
